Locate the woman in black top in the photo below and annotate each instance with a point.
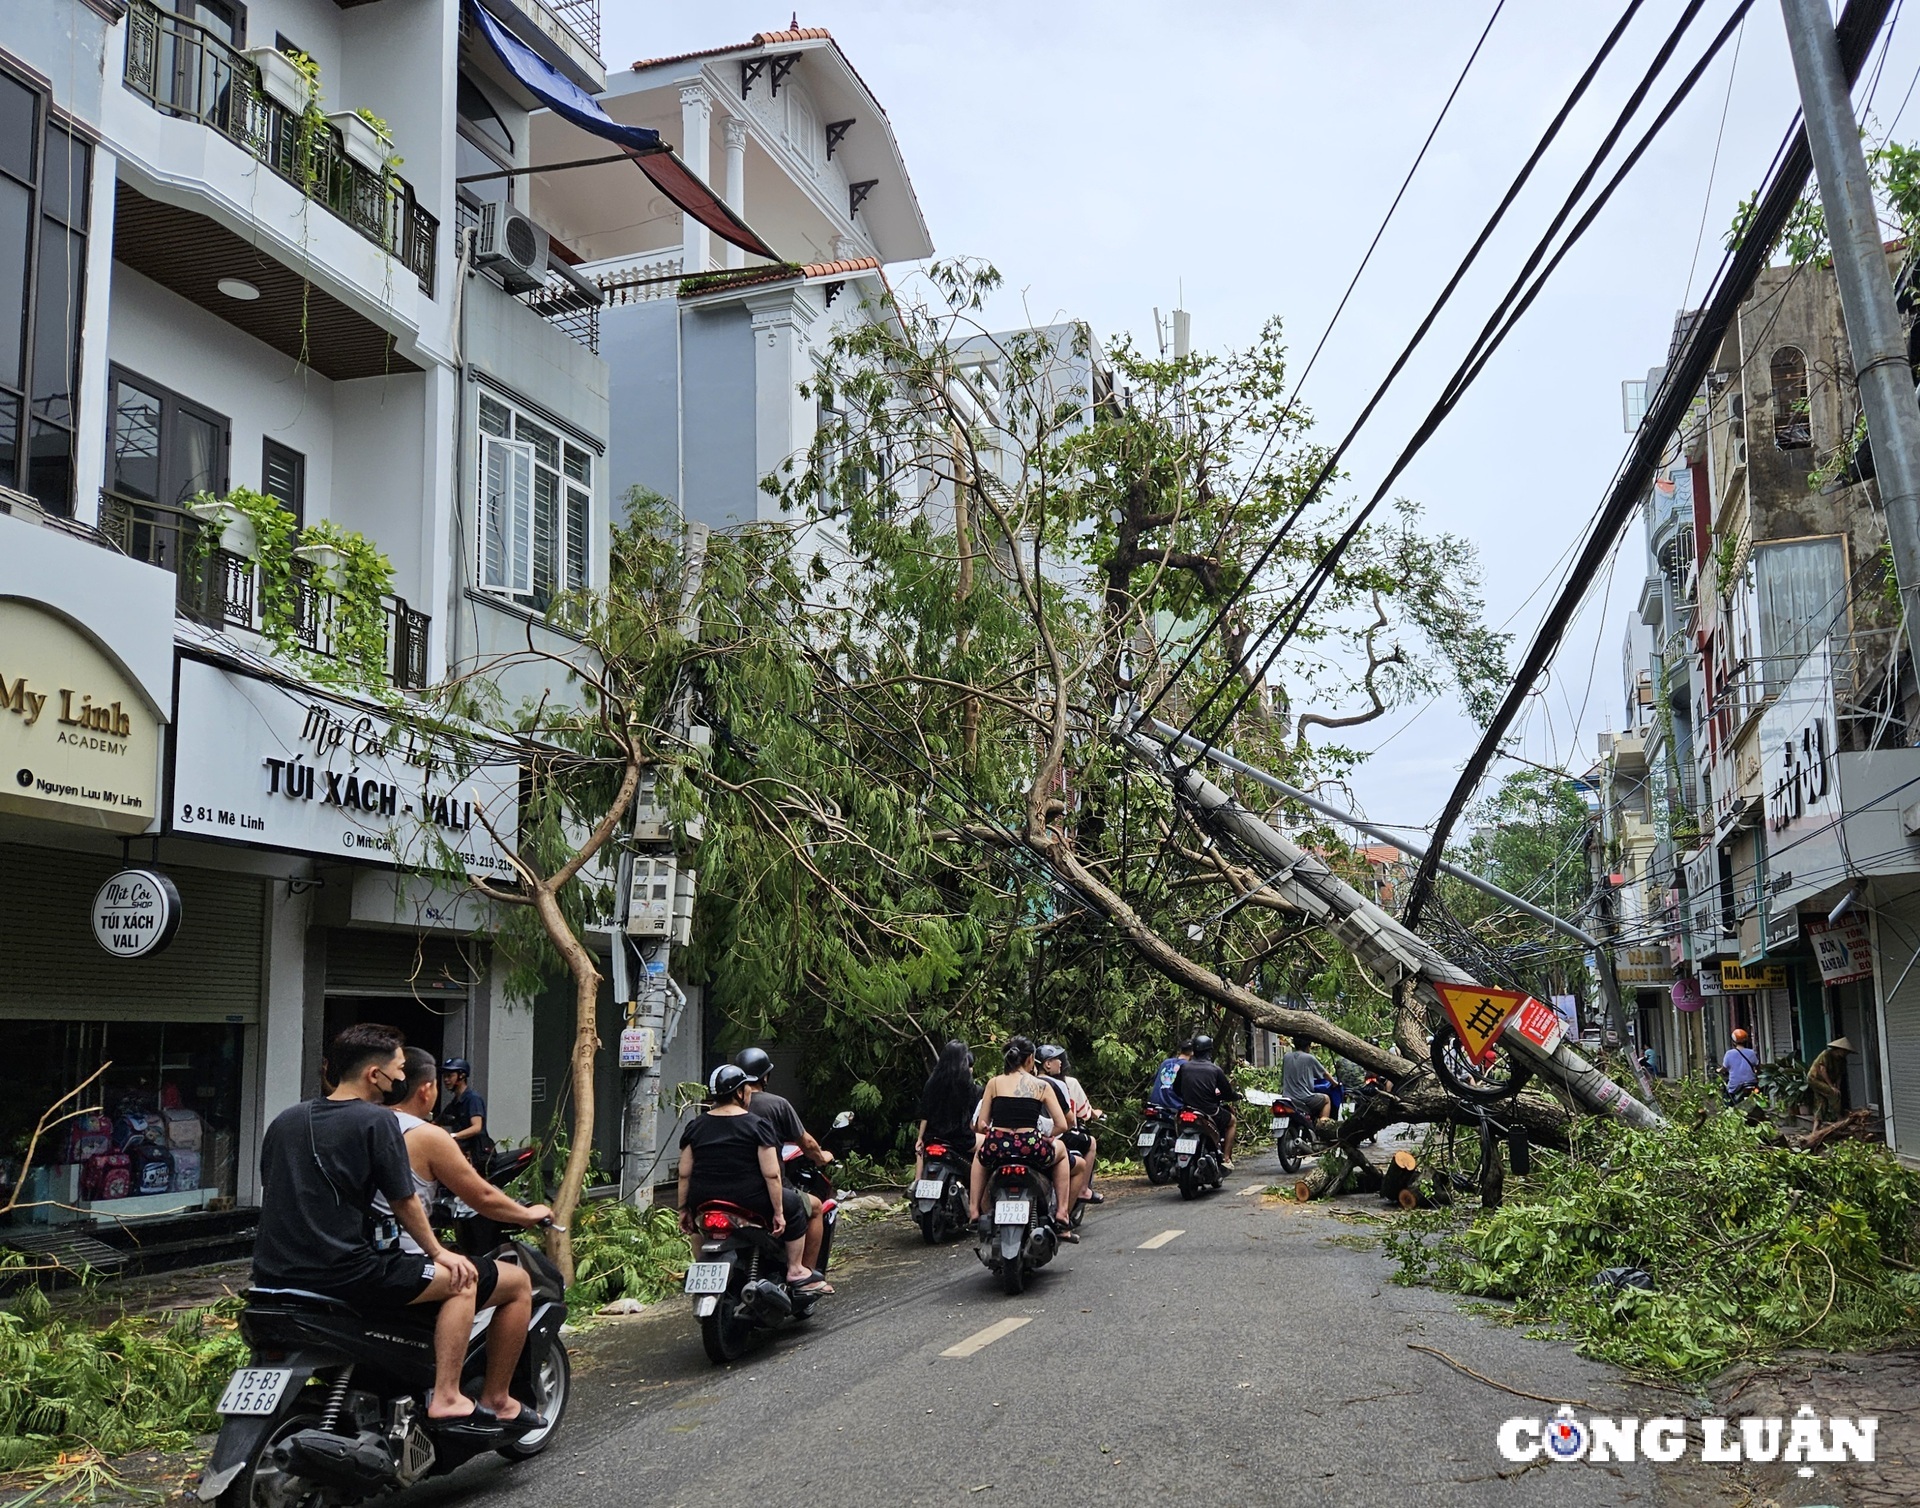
(729, 1154)
(946, 1106)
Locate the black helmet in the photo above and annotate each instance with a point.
(457, 1065)
(755, 1063)
(725, 1081)
(1051, 1050)
(1202, 1047)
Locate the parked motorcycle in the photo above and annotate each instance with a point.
(738, 1283)
(1154, 1140)
(326, 1411)
(1016, 1235)
(940, 1192)
(1196, 1155)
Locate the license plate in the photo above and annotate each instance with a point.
(1011, 1211)
(928, 1188)
(1148, 1138)
(708, 1277)
(255, 1390)
(1187, 1145)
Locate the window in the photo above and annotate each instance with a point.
(162, 448)
(481, 144)
(283, 475)
(226, 19)
(535, 508)
(46, 175)
(1792, 422)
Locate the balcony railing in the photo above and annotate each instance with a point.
(582, 18)
(182, 69)
(569, 302)
(216, 586)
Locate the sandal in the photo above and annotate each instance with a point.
(1093, 1198)
(1067, 1234)
(481, 1425)
(526, 1422)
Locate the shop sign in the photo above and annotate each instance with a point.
(1842, 949)
(79, 742)
(1541, 1025)
(279, 767)
(1642, 966)
(1759, 976)
(135, 913)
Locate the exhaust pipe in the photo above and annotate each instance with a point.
(768, 1298)
(361, 1465)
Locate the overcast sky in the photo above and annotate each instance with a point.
(1107, 156)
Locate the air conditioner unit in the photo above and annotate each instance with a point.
(513, 246)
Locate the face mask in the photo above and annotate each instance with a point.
(394, 1093)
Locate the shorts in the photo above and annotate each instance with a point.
(402, 1276)
(796, 1208)
(1314, 1104)
(1223, 1120)
(1003, 1146)
(1077, 1142)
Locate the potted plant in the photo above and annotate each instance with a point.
(238, 533)
(325, 558)
(365, 144)
(282, 79)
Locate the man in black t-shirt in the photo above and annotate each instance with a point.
(1202, 1085)
(779, 1113)
(321, 1163)
(465, 1114)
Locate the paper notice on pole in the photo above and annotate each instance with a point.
(1541, 1026)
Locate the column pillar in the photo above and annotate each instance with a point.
(696, 118)
(735, 132)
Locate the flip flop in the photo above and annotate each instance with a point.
(817, 1288)
(481, 1424)
(526, 1422)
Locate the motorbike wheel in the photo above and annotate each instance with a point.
(1013, 1276)
(725, 1333)
(1189, 1183)
(1159, 1167)
(261, 1484)
(932, 1228)
(1289, 1152)
(552, 1385)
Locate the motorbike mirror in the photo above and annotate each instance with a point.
(843, 1120)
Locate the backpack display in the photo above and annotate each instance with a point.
(183, 1129)
(152, 1168)
(186, 1171)
(88, 1134)
(131, 1126)
(106, 1175)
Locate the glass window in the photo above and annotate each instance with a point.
(19, 115)
(1792, 420)
(535, 518)
(579, 465)
(495, 417)
(166, 449)
(16, 254)
(545, 443)
(63, 193)
(9, 440)
(136, 441)
(56, 338)
(283, 475)
(1800, 588)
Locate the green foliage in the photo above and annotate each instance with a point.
(1895, 172)
(622, 1252)
(1751, 1247)
(1784, 1081)
(132, 1383)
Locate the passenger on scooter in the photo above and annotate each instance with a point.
(1009, 1126)
(729, 1154)
(321, 1164)
(439, 1161)
(1203, 1086)
(1080, 1141)
(1298, 1070)
(785, 1120)
(946, 1106)
(1161, 1096)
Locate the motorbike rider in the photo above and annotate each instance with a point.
(1008, 1123)
(1203, 1086)
(1080, 1141)
(439, 1161)
(730, 1154)
(1298, 1071)
(1162, 1095)
(780, 1114)
(946, 1106)
(321, 1163)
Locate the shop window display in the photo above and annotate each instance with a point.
(158, 1128)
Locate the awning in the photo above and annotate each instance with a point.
(651, 155)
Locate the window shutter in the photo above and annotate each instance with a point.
(506, 515)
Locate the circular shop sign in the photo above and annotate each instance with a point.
(135, 913)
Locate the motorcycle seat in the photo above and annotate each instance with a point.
(300, 1298)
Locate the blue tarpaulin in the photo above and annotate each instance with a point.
(653, 157)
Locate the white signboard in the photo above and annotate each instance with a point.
(1842, 949)
(135, 913)
(277, 767)
(1798, 779)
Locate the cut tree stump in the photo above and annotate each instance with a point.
(1399, 1175)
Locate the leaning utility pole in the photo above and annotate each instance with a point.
(1879, 349)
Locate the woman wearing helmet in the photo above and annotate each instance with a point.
(729, 1154)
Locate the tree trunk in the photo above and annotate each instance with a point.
(586, 1046)
(1398, 1174)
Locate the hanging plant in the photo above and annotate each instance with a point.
(361, 581)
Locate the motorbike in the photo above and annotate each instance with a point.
(326, 1411)
(1017, 1237)
(1293, 1134)
(734, 1298)
(1154, 1140)
(940, 1193)
(1196, 1155)
(474, 1233)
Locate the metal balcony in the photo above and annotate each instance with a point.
(184, 70)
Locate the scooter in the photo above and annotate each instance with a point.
(1196, 1155)
(739, 1288)
(326, 1412)
(1018, 1236)
(940, 1193)
(1154, 1141)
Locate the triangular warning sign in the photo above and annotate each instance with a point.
(1478, 1014)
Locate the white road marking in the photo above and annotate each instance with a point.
(1255, 1188)
(998, 1330)
(1160, 1240)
